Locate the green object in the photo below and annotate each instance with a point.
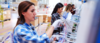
(0, 6)
(1, 11)
(73, 30)
(2, 17)
(48, 26)
(75, 19)
(75, 25)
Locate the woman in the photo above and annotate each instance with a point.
(73, 9)
(24, 32)
(56, 15)
(67, 14)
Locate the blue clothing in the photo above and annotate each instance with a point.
(24, 33)
(65, 15)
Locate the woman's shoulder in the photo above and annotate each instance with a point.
(65, 12)
(20, 26)
(55, 14)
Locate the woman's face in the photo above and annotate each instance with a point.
(70, 9)
(30, 14)
(60, 10)
(73, 7)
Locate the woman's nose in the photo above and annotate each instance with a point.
(34, 13)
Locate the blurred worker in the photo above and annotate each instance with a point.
(67, 14)
(56, 15)
(73, 9)
(24, 31)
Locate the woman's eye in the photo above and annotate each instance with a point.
(31, 11)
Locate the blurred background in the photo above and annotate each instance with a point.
(85, 21)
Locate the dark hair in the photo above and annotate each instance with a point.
(68, 7)
(72, 5)
(23, 7)
(58, 5)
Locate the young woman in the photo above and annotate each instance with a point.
(24, 32)
(73, 9)
(67, 14)
(56, 15)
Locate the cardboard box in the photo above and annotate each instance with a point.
(34, 1)
(35, 22)
(40, 18)
(7, 14)
(44, 18)
(4, 16)
(49, 18)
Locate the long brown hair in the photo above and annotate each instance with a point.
(23, 7)
(68, 7)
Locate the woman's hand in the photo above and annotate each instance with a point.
(63, 24)
(54, 39)
(54, 25)
(57, 23)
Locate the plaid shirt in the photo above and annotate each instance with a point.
(25, 33)
(55, 17)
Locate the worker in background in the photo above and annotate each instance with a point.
(73, 9)
(56, 15)
(24, 31)
(67, 13)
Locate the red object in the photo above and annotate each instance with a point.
(37, 10)
(47, 9)
(46, 12)
(43, 9)
(65, 4)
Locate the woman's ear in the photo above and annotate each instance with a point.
(58, 9)
(23, 13)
